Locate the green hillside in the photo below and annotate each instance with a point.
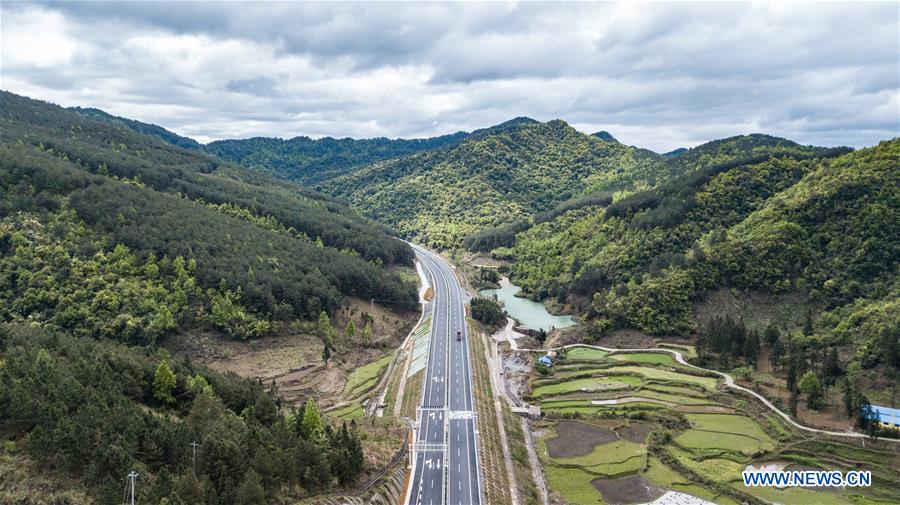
(139, 127)
(313, 161)
(496, 176)
(819, 224)
(108, 232)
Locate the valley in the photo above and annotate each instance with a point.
(682, 317)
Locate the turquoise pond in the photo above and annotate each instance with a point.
(528, 313)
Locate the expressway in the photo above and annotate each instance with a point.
(445, 469)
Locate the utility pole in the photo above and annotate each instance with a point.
(131, 478)
(194, 445)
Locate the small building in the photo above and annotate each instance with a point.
(886, 417)
(545, 360)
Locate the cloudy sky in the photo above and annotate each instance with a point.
(658, 75)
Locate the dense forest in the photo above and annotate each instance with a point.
(140, 127)
(114, 239)
(74, 191)
(98, 410)
(313, 161)
(496, 176)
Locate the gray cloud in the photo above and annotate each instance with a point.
(657, 75)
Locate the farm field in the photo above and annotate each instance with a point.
(594, 447)
(646, 357)
(585, 354)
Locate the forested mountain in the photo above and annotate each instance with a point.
(312, 161)
(757, 214)
(139, 127)
(496, 176)
(105, 231)
(113, 240)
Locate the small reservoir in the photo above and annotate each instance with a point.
(528, 313)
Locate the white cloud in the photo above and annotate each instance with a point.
(656, 75)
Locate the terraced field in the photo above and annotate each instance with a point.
(594, 450)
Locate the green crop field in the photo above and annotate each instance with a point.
(716, 446)
(698, 439)
(727, 423)
(573, 485)
(655, 358)
(655, 373)
(676, 390)
(612, 452)
(586, 384)
(352, 411)
(585, 353)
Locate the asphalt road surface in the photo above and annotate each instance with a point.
(446, 459)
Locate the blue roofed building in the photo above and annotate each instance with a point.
(545, 360)
(887, 417)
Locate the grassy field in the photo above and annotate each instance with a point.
(653, 358)
(585, 354)
(366, 377)
(613, 452)
(572, 485)
(587, 384)
(352, 411)
(665, 375)
(696, 439)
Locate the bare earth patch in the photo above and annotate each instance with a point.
(635, 432)
(577, 439)
(628, 489)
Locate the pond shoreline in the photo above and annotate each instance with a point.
(527, 313)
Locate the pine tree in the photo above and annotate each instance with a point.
(776, 350)
(751, 347)
(808, 324)
(890, 351)
(772, 334)
(326, 355)
(831, 370)
(250, 492)
(164, 382)
(849, 397)
(311, 426)
(367, 332)
(350, 330)
(324, 329)
(792, 373)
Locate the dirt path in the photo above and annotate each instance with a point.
(729, 381)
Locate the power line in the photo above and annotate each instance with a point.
(194, 445)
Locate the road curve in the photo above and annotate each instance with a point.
(729, 381)
(445, 468)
